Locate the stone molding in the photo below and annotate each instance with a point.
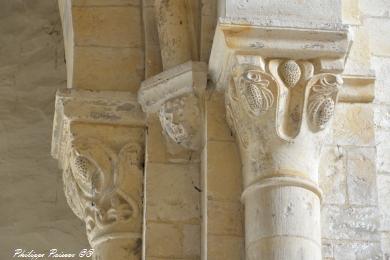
(99, 107)
(326, 45)
(176, 95)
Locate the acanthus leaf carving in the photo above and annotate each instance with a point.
(93, 186)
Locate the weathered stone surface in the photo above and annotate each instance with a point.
(379, 35)
(386, 245)
(279, 10)
(354, 125)
(217, 127)
(350, 11)
(327, 249)
(225, 218)
(361, 178)
(191, 241)
(379, 8)
(98, 68)
(383, 158)
(382, 116)
(173, 192)
(224, 179)
(343, 222)
(164, 240)
(357, 250)
(225, 247)
(384, 200)
(381, 65)
(332, 175)
(358, 62)
(105, 2)
(108, 26)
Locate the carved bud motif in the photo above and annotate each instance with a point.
(93, 187)
(322, 99)
(254, 91)
(290, 73)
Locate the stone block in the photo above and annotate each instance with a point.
(383, 158)
(224, 177)
(225, 248)
(155, 141)
(350, 11)
(191, 241)
(358, 62)
(384, 200)
(342, 222)
(379, 36)
(217, 127)
(386, 246)
(281, 9)
(173, 192)
(225, 218)
(361, 180)
(332, 175)
(382, 116)
(327, 248)
(381, 65)
(118, 26)
(377, 8)
(98, 68)
(354, 125)
(357, 250)
(164, 240)
(105, 3)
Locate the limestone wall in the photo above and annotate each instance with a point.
(354, 171)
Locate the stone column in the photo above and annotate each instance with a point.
(98, 139)
(281, 87)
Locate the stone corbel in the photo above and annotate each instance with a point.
(98, 141)
(176, 95)
(281, 86)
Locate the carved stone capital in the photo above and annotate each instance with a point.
(281, 87)
(104, 188)
(98, 139)
(176, 95)
(279, 110)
